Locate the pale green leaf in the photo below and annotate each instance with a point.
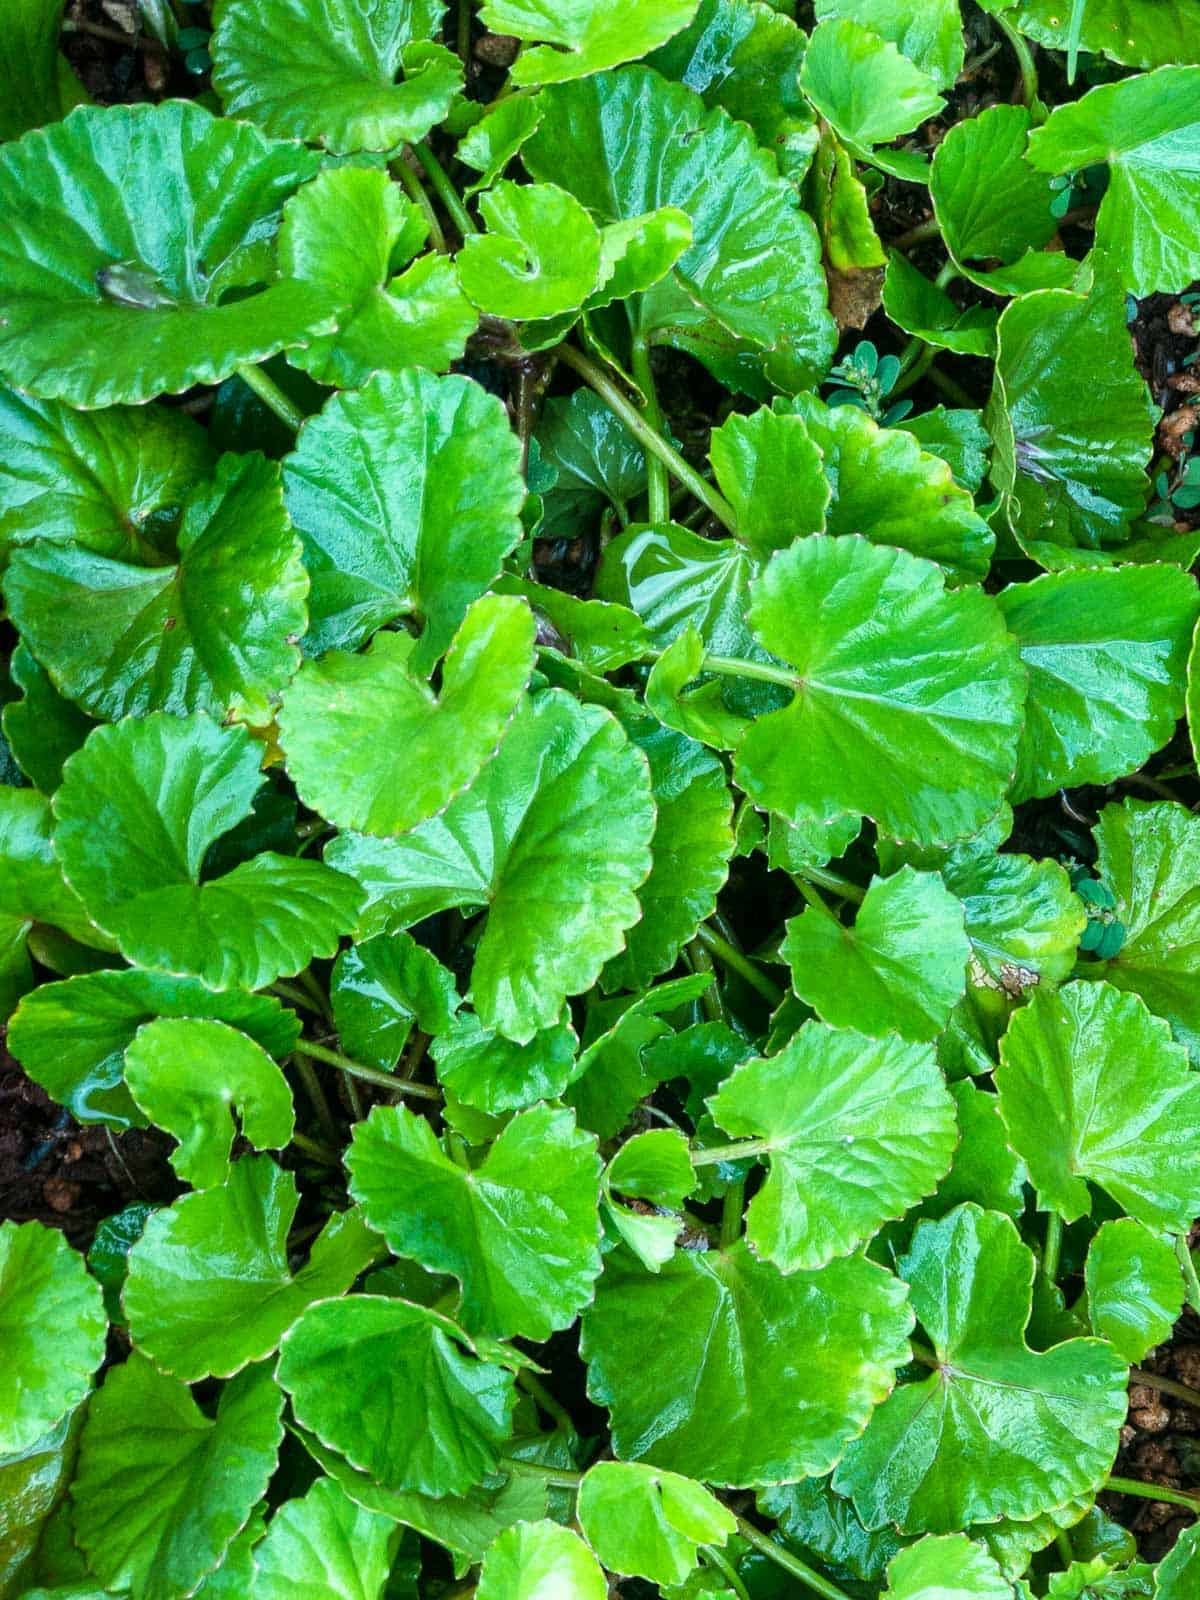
(493, 1074)
(324, 1547)
(644, 1522)
(928, 313)
(381, 989)
(949, 1567)
(497, 137)
(537, 1560)
(539, 257)
(592, 36)
(770, 470)
(1135, 1289)
(928, 32)
(863, 87)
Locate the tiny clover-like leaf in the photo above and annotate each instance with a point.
(996, 1429)
(692, 843)
(521, 1232)
(863, 87)
(112, 482)
(233, 1239)
(534, 1560)
(908, 698)
(406, 495)
(52, 1328)
(138, 808)
(540, 255)
(770, 470)
(71, 1037)
(370, 745)
(352, 230)
(592, 36)
(1106, 651)
(1070, 458)
(928, 32)
(162, 1489)
(381, 988)
(326, 70)
(1148, 131)
(992, 205)
(398, 1391)
(901, 967)
(192, 1077)
(748, 297)
(644, 1522)
(1135, 1289)
(324, 1547)
(890, 489)
(552, 837)
(137, 253)
(493, 1074)
(1094, 1090)
(213, 630)
(857, 1130)
(1149, 857)
(715, 1334)
(945, 1567)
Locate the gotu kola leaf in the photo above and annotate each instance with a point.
(996, 1429)
(43, 728)
(118, 285)
(521, 1232)
(748, 297)
(369, 744)
(553, 838)
(534, 1559)
(52, 1324)
(492, 1074)
(162, 1490)
(592, 36)
(863, 87)
(1093, 1089)
(928, 32)
(324, 1547)
(714, 1333)
(326, 70)
(1139, 33)
(945, 1567)
(397, 1390)
(384, 986)
(209, 1287)
(214, 630)
(856, 1130)
(907, 703)
(1135, 1289)
(139, 806)
(539, 257)
(406, 495)
(647, 1523)
(192, 1077)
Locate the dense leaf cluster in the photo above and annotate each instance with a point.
(664, 1099)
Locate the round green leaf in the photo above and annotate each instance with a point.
(71, 1037)
(369, 744)
(1023, 918)
(138, 808)
(351, 229)
(919, 307)
(748, 298)
(597, 460)
(1147, 129)
(553, 838)
(132, 254)
(770, 470)
(928, 32)
(1135, 1289)
(1093, 1089)
(538, 1559)
(908, 697)
(162, 1490)
(946, 1568)
(112, 482)
(1150, 860)
(406, 495)
(52, 1328)
(491, 1073)
(381, 988)
(886, 487)
(396, 1389)
(984, 1169)
(647, 1523)
(1105, 650)
(324, 1547)
(521, 1232)
(209, 1286)
(715, 1335)
(997, 1429)
(540, 255)
(215, 632)
(901, 967)
(326, 70)
(192, 1077)
(496, 138)
(592, 36)
(1179, 1570)
(42, 728)
(857, 1130)
(863, 87)
(691, 847)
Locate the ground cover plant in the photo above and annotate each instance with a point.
(599, 838)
